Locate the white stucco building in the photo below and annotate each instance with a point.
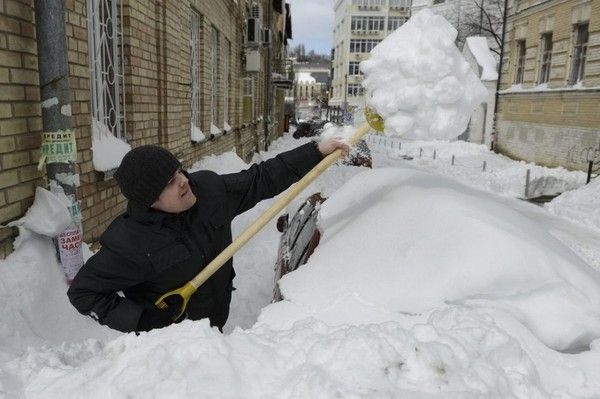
(478, 54)
(359, 25)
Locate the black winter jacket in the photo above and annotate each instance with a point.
(146, 253)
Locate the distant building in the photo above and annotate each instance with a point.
(359, 25)
(310, 85)
(549, 102)
(477, 53)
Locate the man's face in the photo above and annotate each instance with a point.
(177, 196)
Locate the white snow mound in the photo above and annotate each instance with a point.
(419, 81)
(401, 241)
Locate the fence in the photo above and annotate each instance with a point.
(421, 154)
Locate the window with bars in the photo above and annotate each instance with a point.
(363, 45)
(579, 53)
(395, 22)
(353, 68)
(247, 100)
(367, 23)
(226, 53)
(545, 57)
(399, 3)
(105, 44)
(355, 90)
(195, 51)
(520, 62)
(213, 75)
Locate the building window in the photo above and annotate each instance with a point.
(545, 57)
(438, 2)
(213, 75)
(353, 68)
(520, 62)
(248, 100)
(395, 22)
(105, 43)
(226, 52)
(368, 2)
(399, 3)
(365, 23)
(355, 90)
(579, 53)
(195, 69)
(363, 45)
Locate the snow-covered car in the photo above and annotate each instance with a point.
(299, 238)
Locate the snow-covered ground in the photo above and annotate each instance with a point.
(431, 280)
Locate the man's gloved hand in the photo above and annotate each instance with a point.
(158, 318)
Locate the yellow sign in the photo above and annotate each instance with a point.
(59, 147)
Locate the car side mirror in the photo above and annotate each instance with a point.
(282, 222)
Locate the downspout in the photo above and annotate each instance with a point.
(495, 130)
(268, 78)
(59, 150)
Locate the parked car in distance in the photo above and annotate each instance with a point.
(299, 238)
(309, 128)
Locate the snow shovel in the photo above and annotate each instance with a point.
(185, 292)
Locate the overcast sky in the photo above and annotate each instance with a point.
(312, 24)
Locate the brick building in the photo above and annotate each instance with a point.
(549, 102)
(194, 77)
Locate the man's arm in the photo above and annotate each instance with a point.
(269, 178)
(94, 291)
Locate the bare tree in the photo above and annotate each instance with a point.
(487, 20)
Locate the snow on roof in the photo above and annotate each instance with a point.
(305, 77)
(481, 51)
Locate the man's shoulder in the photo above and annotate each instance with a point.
(127, 237)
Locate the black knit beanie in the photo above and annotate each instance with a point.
(144, 172)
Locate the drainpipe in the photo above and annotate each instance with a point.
(59, 150)
(268, 78)
(495, 129)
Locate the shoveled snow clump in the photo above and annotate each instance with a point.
(419, 82)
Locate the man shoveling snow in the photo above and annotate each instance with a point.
(175, 224)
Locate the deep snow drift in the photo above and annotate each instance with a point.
(388, 306)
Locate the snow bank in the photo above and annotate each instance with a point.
(108, 150)
(430, 241)
(228, 162)
(455, 351)
(502, 174)
(48, 215)
(580, 205)
(34, 305)
(420, 83)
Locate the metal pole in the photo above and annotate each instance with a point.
(527, 177)
(345, 94)
(589, 174)
(495, 130)
(268, 79)
(56, 118)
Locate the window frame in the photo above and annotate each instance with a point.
(520, 58)
(546, 45)
(195, 69)
(106, 65)
(579, 53)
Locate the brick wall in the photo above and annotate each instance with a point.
(20, 114)
(156, 47)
